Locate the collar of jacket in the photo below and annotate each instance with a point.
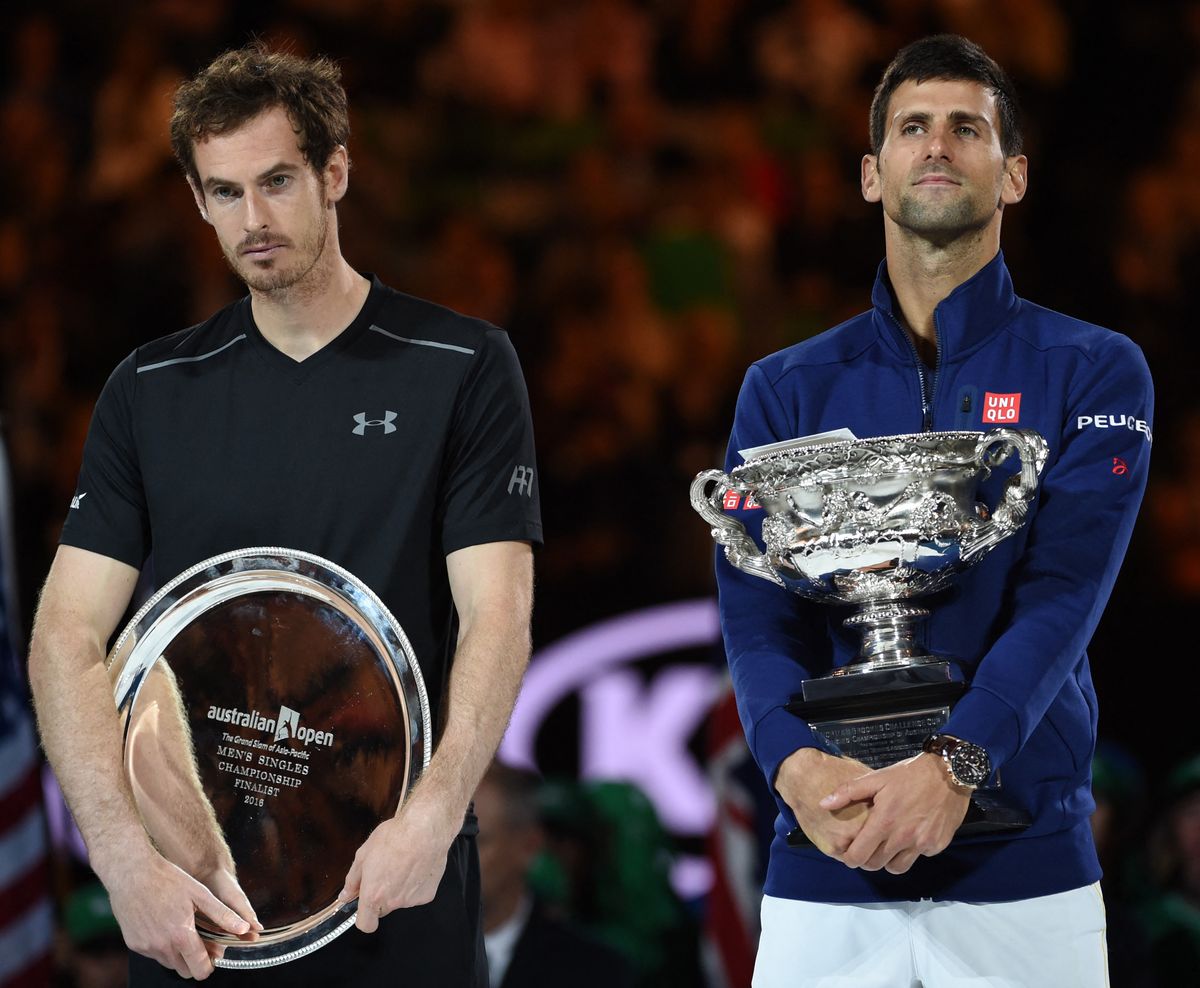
(966, 317)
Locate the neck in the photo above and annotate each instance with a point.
(302, 318)
(924, 272)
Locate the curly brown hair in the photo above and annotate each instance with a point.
(243, 83)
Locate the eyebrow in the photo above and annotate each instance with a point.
(955, 116)
(279, 168)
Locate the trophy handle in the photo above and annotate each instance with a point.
(740, 549)
(1019, 493)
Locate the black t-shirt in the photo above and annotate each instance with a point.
(405, 438)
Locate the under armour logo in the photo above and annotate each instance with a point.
(77, 500)
(522, 480)
(288, 724)
(364, 422)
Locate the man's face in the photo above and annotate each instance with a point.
(270, 209)
(941, 172)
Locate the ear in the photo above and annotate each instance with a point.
(1016, 180)
(337, 174)
(870, 178)
(199, 197)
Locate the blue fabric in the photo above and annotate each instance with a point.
(1019, 622)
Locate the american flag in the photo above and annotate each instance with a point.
(26, 915)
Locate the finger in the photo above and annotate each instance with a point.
(902, 861)
(350, 888)
(240, 904)
(854, 791)
(367, 918)
(199, 964)
(216, 951)
(868, 841)
(216, 912)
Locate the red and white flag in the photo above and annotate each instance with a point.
(26, 915)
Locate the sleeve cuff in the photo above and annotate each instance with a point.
(776, 736)
(984, 719)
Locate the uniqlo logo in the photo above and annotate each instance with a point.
(751, 504)
(1001, 409)
(731, 500)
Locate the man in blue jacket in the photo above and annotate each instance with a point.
(883, 897)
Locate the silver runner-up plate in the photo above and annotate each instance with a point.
(272, 714)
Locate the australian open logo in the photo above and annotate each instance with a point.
(285, 727)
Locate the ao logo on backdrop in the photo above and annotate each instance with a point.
(630, 729)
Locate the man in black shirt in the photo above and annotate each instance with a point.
(327, 413)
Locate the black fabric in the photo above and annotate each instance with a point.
(405, 438)
(550, 952)
(439, 945)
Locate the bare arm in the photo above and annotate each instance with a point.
(84, 597)
(402, 862)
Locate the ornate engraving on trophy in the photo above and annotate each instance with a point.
(875, 523)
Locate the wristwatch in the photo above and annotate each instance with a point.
(969, 764)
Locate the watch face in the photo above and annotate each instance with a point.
(970, 764)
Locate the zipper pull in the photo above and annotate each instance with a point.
(927, 417)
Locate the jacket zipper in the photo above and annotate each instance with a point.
(927, 388)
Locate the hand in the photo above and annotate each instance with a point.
(803, 778)
(156, 903)
(915, 810)
(223, 883)
(401, 863)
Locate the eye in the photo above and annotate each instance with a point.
(277, 181)
(965, 130)
(912, 129)
(222, 193)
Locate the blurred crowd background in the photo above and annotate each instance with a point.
(648, 195)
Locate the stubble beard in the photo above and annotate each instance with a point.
(279, 279)
(942, 221)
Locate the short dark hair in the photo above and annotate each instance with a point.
(245, 82)
(520, 791)
(948, 56)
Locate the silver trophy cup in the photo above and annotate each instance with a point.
(273, 714)
(877, 523)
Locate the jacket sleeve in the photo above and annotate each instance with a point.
(1088, 501)
(774, 640)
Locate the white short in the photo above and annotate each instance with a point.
(1054, 941)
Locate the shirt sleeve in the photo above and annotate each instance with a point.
(108, 513)
(490, 485)
(1088, 502)
(774, 639)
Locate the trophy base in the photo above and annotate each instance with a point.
(883, 716)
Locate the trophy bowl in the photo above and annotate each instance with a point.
(874, 522)
(272, 714)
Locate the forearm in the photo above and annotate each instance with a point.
(81, 736)
(488, 665)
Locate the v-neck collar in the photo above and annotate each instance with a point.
(301, 370)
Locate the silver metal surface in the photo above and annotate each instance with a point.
(273, 714)
(874, 522)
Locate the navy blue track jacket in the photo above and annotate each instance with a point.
(1019, 622)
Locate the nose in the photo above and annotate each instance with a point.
(255, 217)
(939, 146)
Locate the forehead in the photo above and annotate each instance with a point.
(938, 97)
(260, 143)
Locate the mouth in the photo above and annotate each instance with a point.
(262, 251)
(936, 179)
